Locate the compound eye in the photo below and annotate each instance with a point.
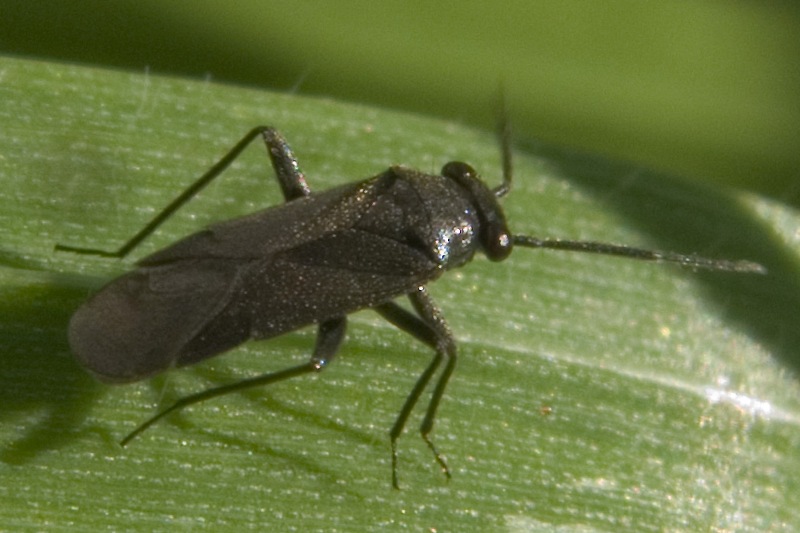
(457, 169)
(498, 242)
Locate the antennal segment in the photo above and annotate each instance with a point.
(504, 137)
(690, 261)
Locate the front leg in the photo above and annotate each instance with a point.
(431, 328)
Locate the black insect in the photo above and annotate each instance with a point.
(311, 260)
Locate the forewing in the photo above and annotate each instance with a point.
(136, 325)
(265, 233)
(332, 276)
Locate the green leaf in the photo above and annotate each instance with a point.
(591, 393)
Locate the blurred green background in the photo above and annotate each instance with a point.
(704, 89)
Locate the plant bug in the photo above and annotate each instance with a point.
(311, 260)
